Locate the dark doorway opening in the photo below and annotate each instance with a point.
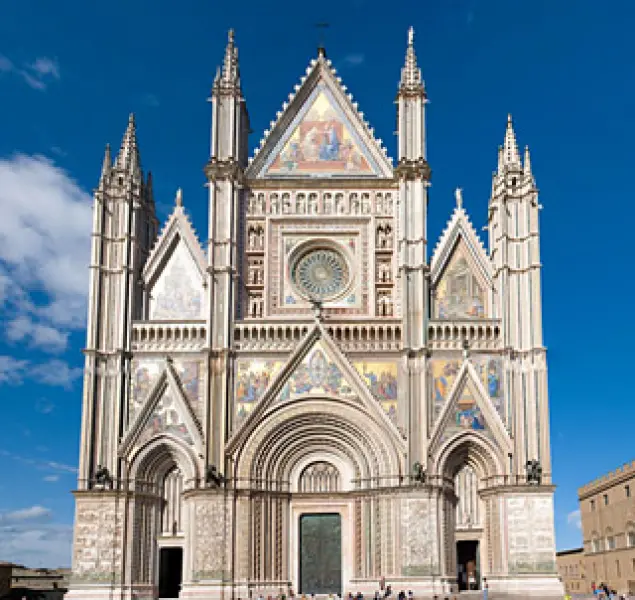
(170, 572)
(468, 565)
(321, 554)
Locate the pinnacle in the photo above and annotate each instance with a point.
(411, 79)
(230, 73)
(128, 158)
(510, 155)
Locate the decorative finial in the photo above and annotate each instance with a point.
(179, 197)
(458, 194)
(230, 36)
(466, 349)
(509, 118)
(411, 36)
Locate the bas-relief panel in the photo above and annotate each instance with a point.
(490, 369)
(253, 377)
(317, 374)
(322, 144)
(167, 418)
(530, 534)
(381, 378)
(459, 294)
(178, 292)
(145, 373)
(97, 557)
(419, 550)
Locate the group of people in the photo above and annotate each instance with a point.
(386, 594)
(604, 592)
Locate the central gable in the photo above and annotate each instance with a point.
(320, 142)
(320, 134)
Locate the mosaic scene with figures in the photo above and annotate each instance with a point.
(319, 398)
(322, 143)
(459, 293)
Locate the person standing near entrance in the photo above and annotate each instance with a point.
(485, 588)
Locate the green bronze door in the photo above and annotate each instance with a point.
(320, 554)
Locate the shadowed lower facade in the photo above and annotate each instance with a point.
(312, 401)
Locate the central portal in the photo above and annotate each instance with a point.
(321, 554)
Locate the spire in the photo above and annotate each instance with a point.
(128, 158)
(510, 157)
(179, 198)
(107, 164)
(458, 195)
(527, 162)
(230, 73)
(411, 80)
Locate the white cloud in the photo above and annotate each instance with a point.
(574, 519)
(46, 66)
(355, 59)
(37, 463)
(25, 514)
(56, 373)
(37, 74)
(44, 247)
(51, 478)
(12, 370)
(24, 329)
(37, 545)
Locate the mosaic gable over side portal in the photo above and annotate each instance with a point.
(322, 143)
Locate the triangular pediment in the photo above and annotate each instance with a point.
(320, 134)
(469, 408)
(166, 412)
(445, 370)
(317, 375)
(461, 273)
(175, 271)
(316, 369)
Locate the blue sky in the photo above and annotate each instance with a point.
(70, 72)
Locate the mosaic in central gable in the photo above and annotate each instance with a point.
(322, 143)
(381, 377)
(316, 374)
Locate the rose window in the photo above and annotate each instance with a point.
(320, 274)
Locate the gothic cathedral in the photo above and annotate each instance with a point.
(310, 401)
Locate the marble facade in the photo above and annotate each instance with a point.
(308, 359)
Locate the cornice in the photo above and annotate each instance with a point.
(517, 489)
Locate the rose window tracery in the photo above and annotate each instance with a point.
(320, 274)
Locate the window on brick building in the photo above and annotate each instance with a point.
(592, 504)
(627, 491)
(617, 568)
(610, 542)
(606, 499)
(630, 538)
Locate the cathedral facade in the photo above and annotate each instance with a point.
(313, 401)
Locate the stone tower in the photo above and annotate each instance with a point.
(308, 404)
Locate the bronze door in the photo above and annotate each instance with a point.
(321, 554)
